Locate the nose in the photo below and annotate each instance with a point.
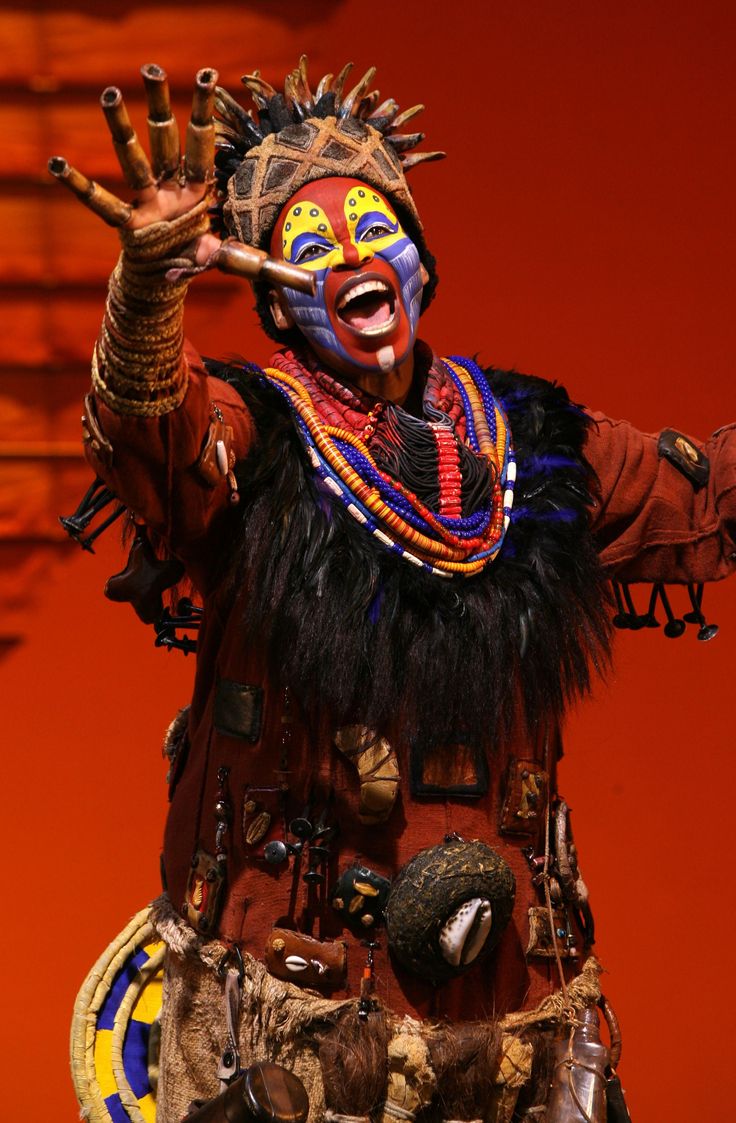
(355, 256)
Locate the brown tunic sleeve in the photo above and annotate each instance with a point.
(651, 522)
(155, 465)
(160, 433)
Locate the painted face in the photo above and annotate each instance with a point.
(365, 310)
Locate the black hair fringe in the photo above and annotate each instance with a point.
(360, 636)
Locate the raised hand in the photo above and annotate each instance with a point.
(167, 187)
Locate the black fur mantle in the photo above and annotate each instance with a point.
(361, 636)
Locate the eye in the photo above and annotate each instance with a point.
(310, 250)
(377, 230)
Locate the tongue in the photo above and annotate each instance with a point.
(367, 312)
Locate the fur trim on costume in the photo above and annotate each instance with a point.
(360, 637)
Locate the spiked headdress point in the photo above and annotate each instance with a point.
(298, 136)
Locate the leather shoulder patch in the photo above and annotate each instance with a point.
(685, 456)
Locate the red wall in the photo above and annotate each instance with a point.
(584, 226)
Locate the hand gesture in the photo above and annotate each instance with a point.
(169, 187)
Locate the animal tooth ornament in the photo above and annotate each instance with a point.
(368, 871)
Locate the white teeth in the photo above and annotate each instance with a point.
(359, 290)
(380, 329)
(464, 932)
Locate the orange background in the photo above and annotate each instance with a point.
(584, 227)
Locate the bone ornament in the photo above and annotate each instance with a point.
(448, 907)
(301, 959)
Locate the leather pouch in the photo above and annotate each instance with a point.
(526, 797)
(305, 961)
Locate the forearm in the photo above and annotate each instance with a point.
(655, 522)
(138, 367)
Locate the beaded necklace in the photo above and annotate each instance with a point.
(443, 542)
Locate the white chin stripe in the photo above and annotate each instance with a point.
(386, 358)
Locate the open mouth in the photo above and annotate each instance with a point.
(367, 306)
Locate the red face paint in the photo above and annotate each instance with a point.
(364, 314)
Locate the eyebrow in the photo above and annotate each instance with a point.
(309, 238)
(367, 220)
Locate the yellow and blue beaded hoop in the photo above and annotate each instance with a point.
(114, 1036)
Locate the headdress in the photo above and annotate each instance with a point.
(298, 136)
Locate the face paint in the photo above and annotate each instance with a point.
(365, 310)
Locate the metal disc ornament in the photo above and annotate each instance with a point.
(448, 907)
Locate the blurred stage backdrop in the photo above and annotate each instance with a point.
(584, 227)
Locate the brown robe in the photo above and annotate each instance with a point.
(650, 523)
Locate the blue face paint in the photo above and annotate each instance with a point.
(346, 233)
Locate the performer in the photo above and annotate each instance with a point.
(369, 874)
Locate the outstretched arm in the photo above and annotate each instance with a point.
(666, 509)
(153, 412)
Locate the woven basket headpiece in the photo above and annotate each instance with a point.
(297, 137)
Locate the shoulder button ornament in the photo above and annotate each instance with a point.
(685, 456)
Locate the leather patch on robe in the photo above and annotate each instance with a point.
(378, 769)
(203, 896)
(685, 456)
(456, 769)
(238, 710)
(526, 797)
(301, 959)
(542, 940)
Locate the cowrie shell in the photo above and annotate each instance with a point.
(296, 963)
(465, 931)
(257, 829)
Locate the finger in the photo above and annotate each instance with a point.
(113, 210)
(162, 128)
(256, 265)
(200, 148)
(130, 154)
